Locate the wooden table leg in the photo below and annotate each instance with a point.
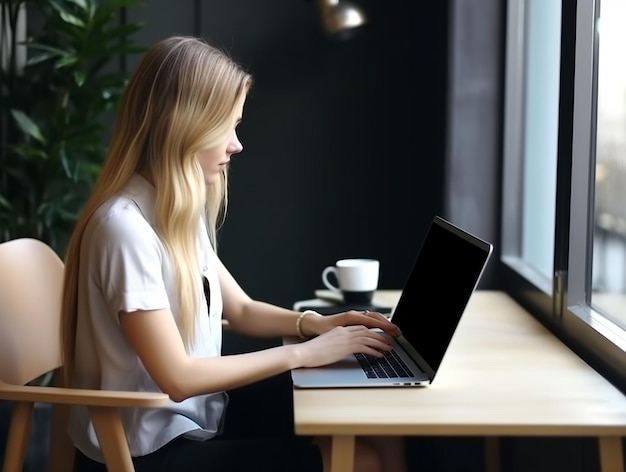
(342, 454)
(492, 454)
(611, 454)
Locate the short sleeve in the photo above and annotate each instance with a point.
(128, 261)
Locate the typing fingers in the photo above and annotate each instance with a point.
(373, 319)
(369, 342)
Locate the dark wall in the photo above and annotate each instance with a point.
(344, 141)
(475, 121)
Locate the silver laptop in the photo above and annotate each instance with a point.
(445, 274)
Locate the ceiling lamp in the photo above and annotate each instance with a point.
(340, 16)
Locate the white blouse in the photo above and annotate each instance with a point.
(124, 267)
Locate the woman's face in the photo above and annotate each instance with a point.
(213, 160)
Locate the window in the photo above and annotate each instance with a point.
(564, 174)
(531, 138)
(594, 300)
(609, 231)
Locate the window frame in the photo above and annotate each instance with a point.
(521, 281)
(604, 338)
(565, 307)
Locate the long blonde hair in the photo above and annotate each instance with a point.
(181, 98)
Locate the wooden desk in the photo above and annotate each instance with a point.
(504, 375)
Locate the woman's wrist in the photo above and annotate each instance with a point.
(306, 324)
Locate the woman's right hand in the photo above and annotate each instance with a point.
(340, 342)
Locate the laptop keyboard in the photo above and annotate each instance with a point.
(387, 367)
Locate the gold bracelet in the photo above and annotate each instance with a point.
(299, 322)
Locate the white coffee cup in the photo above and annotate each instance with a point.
(357, 280)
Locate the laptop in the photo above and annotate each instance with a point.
(446, 272)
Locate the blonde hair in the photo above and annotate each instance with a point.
(181, 98)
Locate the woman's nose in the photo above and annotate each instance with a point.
(235, 145)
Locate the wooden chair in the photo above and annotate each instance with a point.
(31, 280)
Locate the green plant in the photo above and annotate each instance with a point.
(54, 109)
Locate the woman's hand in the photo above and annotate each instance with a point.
(340, 342)
(343, 334)
(321, 324)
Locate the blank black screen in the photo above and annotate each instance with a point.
(445, 273)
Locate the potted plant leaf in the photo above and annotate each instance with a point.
(58, 87)
(55, 108)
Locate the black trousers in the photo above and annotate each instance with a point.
(258, 436)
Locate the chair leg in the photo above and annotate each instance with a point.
(61, 456)
(19, 435)
(108, 425)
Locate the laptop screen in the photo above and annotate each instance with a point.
(446, 272)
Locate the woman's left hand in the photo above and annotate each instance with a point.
(370, 319)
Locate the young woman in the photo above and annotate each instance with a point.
(145, 292)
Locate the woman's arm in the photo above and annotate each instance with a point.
(255, 318)
(156, 339)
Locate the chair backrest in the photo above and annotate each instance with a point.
(31, 283)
